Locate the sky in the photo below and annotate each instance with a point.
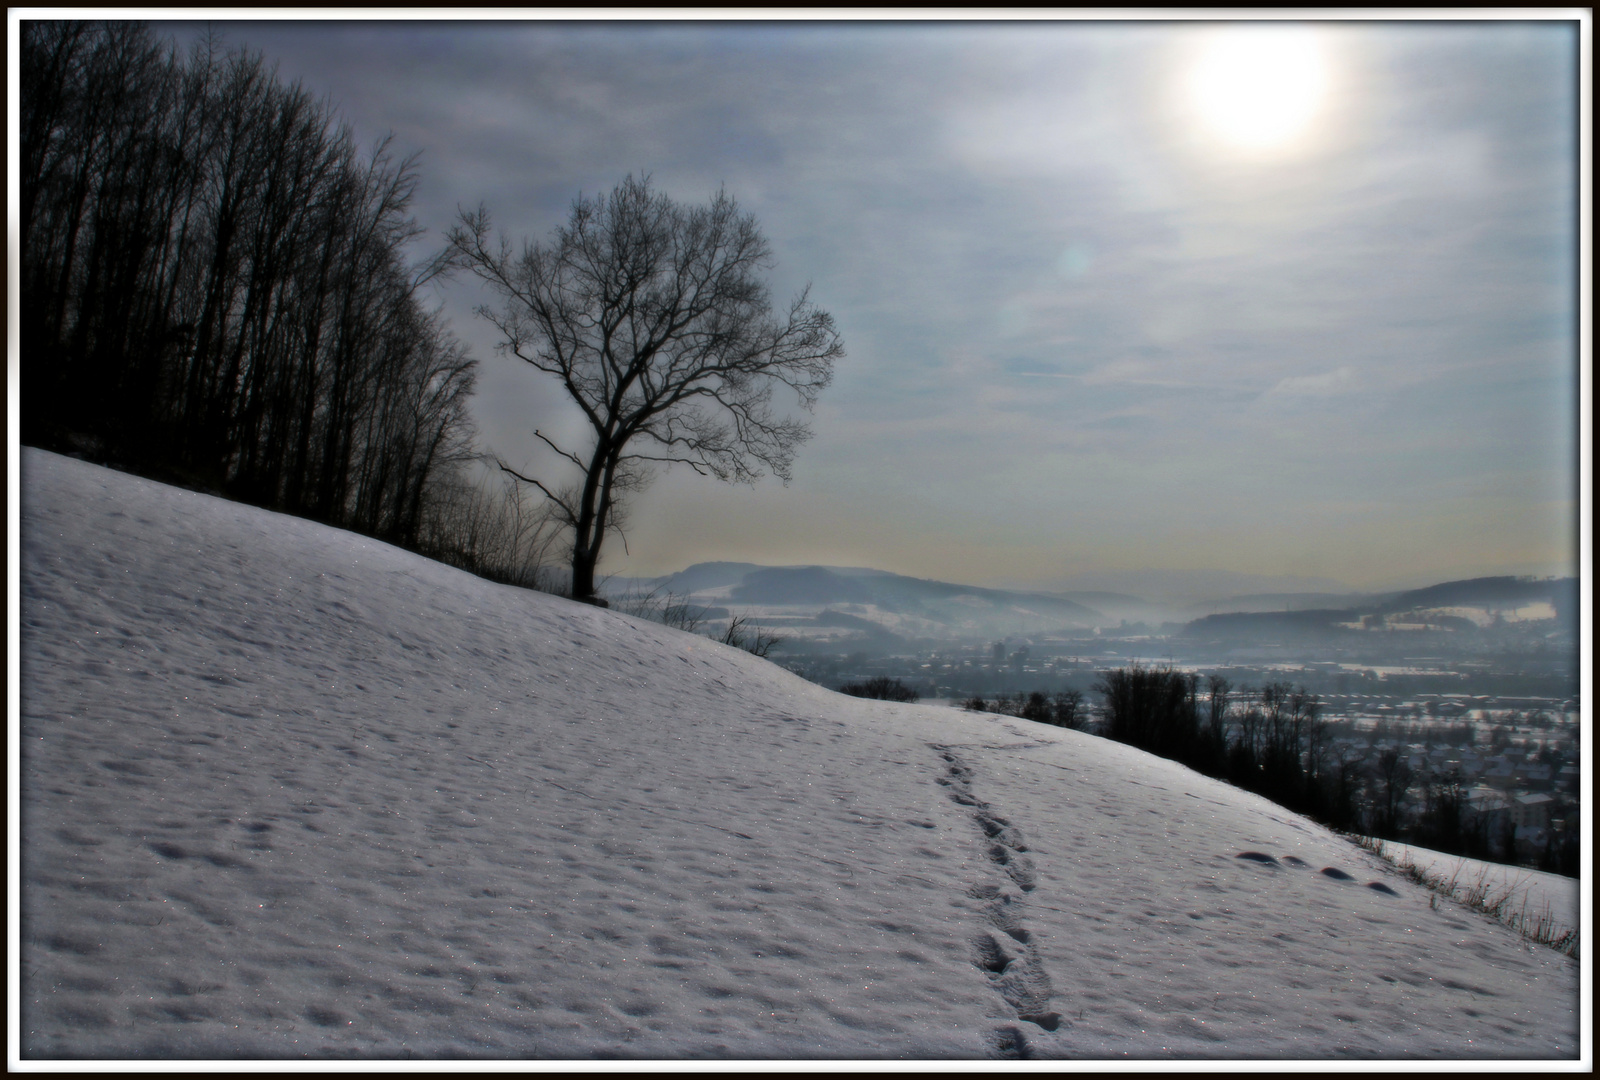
(1294, 300)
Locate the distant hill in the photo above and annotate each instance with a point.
(704, 576)
(1493, 594)
(802, 585)
(1268, 602)
(1449, 606)
(1123, 607)
(1272, 625)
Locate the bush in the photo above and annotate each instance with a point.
(752, 639)
(1070, 711)
(666, 608)
(490, 528)
(1037, 708)
(882, 688)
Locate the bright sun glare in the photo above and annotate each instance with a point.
(1259, 87)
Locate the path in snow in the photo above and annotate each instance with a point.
(1006, 952)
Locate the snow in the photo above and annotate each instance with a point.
(1533, 894)
(287, 792)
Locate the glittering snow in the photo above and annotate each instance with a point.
(289, 792)
(1531, 896)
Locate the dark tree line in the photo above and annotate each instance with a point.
(881, 688)
(1064, 709)
(215, 286)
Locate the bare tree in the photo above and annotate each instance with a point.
(1394, 772)
(1070, 711)
(1310, 730)
(654, 318)
(1218, 690)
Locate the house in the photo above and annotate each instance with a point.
(1489, 807)
(1532, 811)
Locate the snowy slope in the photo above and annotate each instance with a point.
(1531, 895)
(286, 791)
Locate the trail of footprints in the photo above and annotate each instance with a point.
(1007, 954)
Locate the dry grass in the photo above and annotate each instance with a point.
(1498, 901)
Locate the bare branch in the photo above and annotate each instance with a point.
(569, 456)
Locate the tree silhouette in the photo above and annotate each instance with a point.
(654, 318)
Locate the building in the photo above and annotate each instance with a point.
(1532, 811)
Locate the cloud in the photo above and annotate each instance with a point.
(1076, 259)
(1325, 384)
(1164, 371)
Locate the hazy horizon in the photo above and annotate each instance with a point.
(1103, 312)
(1160, 585)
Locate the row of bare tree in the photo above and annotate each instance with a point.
(215, 284)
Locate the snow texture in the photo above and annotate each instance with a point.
(288, 792)
(1533, 894)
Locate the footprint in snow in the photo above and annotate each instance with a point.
(1009, 1043)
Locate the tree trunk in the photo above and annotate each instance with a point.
(583, 563)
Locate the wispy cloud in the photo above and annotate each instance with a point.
(1339, 381)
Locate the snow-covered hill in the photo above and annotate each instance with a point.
(289, 792)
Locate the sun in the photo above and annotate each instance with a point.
(1258, 88)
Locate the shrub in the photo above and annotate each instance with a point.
(490, 529)
(1070, 711)
(666, 608)
(1037, 708)
(752, 639)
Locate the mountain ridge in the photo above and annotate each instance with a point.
(821, 587)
